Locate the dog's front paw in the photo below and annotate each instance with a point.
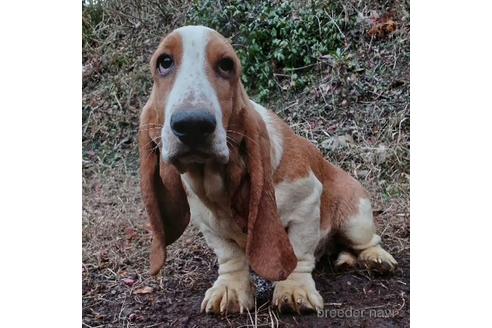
(298, 293)
(231, 293)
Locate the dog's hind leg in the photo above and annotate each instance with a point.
(360, 233)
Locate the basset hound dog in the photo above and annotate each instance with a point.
(264, 198)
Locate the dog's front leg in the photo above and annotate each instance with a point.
(232, 291)
(298, 292)
(299, 208)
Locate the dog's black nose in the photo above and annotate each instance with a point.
(193, 128)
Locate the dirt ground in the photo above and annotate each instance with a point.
(116, 266)
(357, 113)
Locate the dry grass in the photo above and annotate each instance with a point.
(357, 113)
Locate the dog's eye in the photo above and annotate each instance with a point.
(226, 65)
(164, 64)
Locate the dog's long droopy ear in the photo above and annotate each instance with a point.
(268, 248)
(163, 193)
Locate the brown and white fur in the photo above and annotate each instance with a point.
(264, 198)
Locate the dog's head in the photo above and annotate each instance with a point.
(196, 76)
(198, 113)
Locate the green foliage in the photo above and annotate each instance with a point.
(92, 15)
(272, 38)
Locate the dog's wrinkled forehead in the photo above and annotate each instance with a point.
(192, 86)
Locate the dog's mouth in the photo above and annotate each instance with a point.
(192, 157)
(199, 156)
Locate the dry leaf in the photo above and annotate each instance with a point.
(144, 290)
(131, 233)
(336, 142)
(128, 281)
(383, 26)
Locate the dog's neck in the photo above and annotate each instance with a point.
(207, 181)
